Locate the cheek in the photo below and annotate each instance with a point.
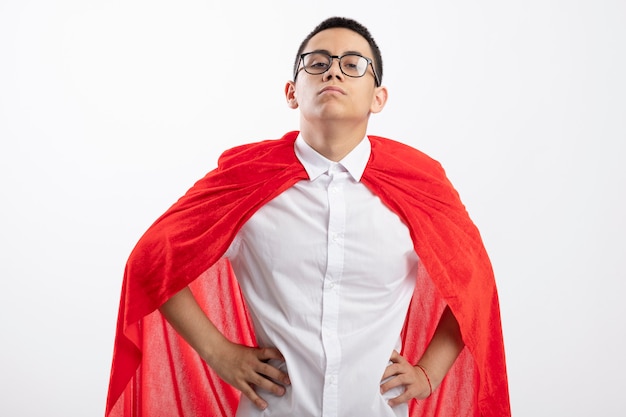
(366, 102)
(303, 95)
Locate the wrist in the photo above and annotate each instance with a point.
(214, 349)
(425, 373)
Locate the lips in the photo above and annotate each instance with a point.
(332, 89)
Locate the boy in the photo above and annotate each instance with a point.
(363, 281)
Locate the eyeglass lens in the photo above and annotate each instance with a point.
(352, 65)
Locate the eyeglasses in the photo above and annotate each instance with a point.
(352, 65)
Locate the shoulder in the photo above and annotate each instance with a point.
(389, 154)
(268, 150)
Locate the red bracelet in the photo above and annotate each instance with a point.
(430, 386)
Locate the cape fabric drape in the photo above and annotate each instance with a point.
(155, 373)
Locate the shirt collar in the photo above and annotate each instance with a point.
(315, 164)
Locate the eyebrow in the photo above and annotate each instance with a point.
(327, 52)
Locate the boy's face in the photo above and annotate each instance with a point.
(333, 95)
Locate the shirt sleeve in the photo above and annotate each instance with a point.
(234, 247)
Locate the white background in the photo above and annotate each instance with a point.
(110, 110)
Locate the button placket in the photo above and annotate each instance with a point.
(331, 295)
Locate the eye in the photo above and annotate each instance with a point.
(354, 64)
(318, 65)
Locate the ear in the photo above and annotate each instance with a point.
(379, 99)
(290, 95)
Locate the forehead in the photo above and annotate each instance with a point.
(338, 41)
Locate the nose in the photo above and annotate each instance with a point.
(334, 70)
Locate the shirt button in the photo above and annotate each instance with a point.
(331, 285)
(332, 380)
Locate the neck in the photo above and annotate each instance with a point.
(332, 141)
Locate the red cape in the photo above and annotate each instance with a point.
(155, 373)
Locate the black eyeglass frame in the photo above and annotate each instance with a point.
(331, 57)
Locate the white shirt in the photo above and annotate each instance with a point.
(327, 272)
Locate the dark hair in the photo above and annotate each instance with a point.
(353, 25)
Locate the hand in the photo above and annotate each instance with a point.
(407, 375)
(245, 367)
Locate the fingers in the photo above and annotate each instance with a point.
(264, 355)
(249, 392)
(248, 370)
(398, 363)
(396, 378)
(402, 398)
(400, 373)
(402, 379)
(396, 357)
(261, 376)
(269, 353)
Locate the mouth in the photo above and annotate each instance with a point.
(332, 89)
